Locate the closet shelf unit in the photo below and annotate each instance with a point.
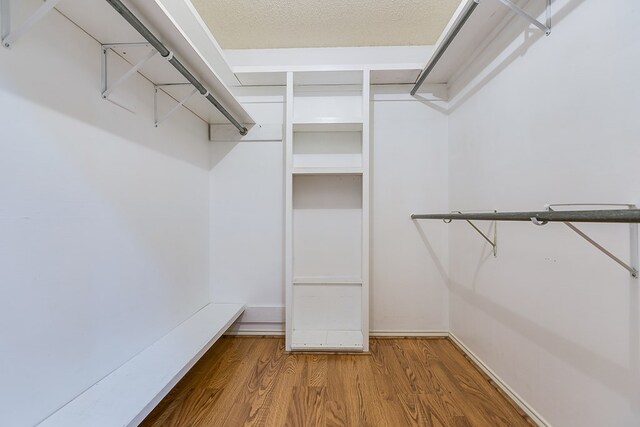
(327, 211)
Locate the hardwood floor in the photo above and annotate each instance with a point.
(245, 381)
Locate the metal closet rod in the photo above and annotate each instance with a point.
(608, 216)
(444, 46)
(166, 53)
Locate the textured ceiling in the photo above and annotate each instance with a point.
(261, 24)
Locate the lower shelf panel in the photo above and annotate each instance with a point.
(307, 340)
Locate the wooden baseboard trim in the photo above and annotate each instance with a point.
(497, 382)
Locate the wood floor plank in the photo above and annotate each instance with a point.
(258, 391)
(291, 371)
(476, 385)
(307, 407)
(403, 382)
(342, 401)
(439, 401)
(237, 384)
(316, 366)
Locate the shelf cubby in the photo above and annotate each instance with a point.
(331, 149)
(327, 317)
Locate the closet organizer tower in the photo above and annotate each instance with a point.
(327, 211)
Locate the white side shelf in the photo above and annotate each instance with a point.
(127, 395)
(327, 340)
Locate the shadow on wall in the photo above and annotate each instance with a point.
(481, 68)
(625, 380)
(221, 148)
(219, 151)
(442, 271)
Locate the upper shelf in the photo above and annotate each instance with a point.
(487, 16)
(179, 27)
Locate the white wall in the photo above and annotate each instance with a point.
(103, 222)
(408, 291)
(247, 220)
(552, 120)
(409, 175)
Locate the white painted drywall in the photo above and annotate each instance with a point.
(103, 222)
(552, 120)
(247, 219)
(409, 175)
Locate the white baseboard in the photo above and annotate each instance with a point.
(256, 332)
(248, 330)
(535, 416)
(435, 334)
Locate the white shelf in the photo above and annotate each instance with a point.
(178, 26)
(317, 280)
(328, 125)
(128, 394)
(327, 171)
(308, 340)
(486, 18)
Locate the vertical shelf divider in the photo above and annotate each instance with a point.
(366, 205)
(288, 177)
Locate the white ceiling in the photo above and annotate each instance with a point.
(262, 24)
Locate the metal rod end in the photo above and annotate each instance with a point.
(244, 131)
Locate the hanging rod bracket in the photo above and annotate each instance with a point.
(108, 89)
(130, 17)
(493, 243)
(546, 28)
(634, 266)
(159, 119)
(9, 37)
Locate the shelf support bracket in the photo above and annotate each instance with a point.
(159, 119)
(106, 89)
(546, 28)
(10, 37)
(634, 266)
(493, 243)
